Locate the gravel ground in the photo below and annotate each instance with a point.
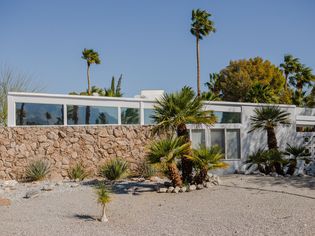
(241, 205)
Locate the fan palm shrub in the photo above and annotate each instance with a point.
(173, 111)
(114, 169)
(166, 152)
(37, 170)
(103, 199)
(206, 159)
(294, 154)
(268, 118)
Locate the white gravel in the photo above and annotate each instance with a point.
(242, 205)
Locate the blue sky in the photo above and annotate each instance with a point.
(147, 41)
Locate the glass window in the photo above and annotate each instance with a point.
(147, 116)
(198, 138)
(130, 115)
(39, 114)
(227, 117)
(81, 115)
(233, 144)
(217, 138)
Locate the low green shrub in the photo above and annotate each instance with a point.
(77, 172)
(114, 169)
(144, 169)
(37, 170)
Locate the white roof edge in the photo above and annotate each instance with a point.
(246, 104)
(48, 95)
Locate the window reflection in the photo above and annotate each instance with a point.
(148, 120)
(81, 115)
(227, 117)
(130, 115)
(39, 114)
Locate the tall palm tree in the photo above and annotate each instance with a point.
(268, 118)
(289, 66)
(201, 26)
(91, 57)
(166, 152)
(103, 199)
(206, 159)
(173, 111)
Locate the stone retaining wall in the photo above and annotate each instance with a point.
(63, 146)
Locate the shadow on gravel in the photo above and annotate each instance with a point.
(299, 182)
(84, 217)
(268, 190)
(134, 188)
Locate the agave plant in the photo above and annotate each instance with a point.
(114, 169)
(77, 172)
(295, 153)
(166, 152)
(103, 199)
(206, 159)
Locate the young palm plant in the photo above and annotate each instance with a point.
(206, 159)
(166, 152)
(268, 119)
(295, 153)
(103, 199)
(173, 111)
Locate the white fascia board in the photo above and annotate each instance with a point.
(247, 104)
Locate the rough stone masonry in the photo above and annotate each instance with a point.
(63, 147)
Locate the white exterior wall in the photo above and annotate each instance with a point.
(249, 142)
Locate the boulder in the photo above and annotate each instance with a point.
(183, 189)
(199, 186)
(176, 189)
(251, 169)
(162, 190)
(191, 187)
(170, 189)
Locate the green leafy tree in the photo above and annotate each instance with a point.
(91, 57)
(173, 111)
(166, 152)
(213, 86)
(201, 26)
(268, 118)
(253, 76)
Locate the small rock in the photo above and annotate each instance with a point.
(183, 189)
(9, 183)
(59, 183)
(191, 188)
(199, 186)
(47, 187)
(176, 189)
(162, 190)
(5, 202)
(274, 174)
(155, 179)
(32, 194)
(170, 189)
(74, 185)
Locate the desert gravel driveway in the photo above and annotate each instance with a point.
(241, 205)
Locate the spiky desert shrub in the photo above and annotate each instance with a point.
(145, 169)
(114, 169)
(37, 170)
(103, 198)
(77, 172)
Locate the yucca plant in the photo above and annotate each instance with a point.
(166, 152)
(295, 153)
(37, 170)
(205, 159)
(77, 172)
(103, 199)
(114, 169)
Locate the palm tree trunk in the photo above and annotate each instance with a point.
(182, 131)
(104, 218)
(174, 175)
(201, 177)
(88, 78)
(198, 66)
(271, 139)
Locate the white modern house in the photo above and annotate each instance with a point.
(231, 131)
